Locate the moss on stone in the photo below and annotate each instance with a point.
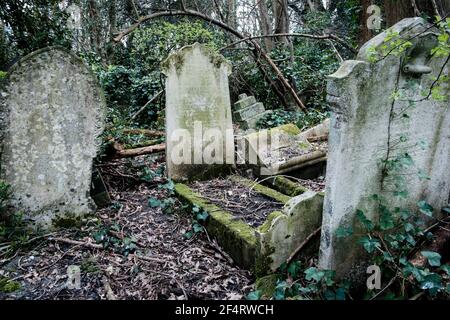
(8, 286)
(288, 187)
(234, 235)
(290, 129)
(266, 226)
(267, 285)
(268, 192)
(264, 260)
(67, 222)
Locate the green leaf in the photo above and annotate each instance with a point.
(432, 283)
(154, 203)
(446, 268)
(197, 228)
(280, 291)
(434, 258)
(370, 244)
(364, 221)
(386, 219)
(202, 216)
(425, 208)
(314, 274)
(294, 269)
(343, 232)
(255, 295)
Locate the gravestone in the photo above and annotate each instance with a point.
(373, 120)
(51, 113)
(247, 112)
(199, 128)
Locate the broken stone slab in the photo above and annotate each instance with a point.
(281, 150)
(367, 121)
(244, 102)
(252, 123)
(199, 131)
(249, 112)
(285, 231)
(321, 130)
(51, 112)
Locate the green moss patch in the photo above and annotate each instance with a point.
(268, 192)
(8, 286)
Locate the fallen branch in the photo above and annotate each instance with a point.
(77, 243)
(129, 153)
(147, 104)
(302, 245)
(318, 138)
(331, 37)
(144, 132)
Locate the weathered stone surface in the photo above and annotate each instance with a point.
(249, 112)
(281, 150)
(51, 116)
(368, 126)
(281, 235)
(244, 102)
(197, 93)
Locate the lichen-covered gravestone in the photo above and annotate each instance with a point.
(52, 112)
(384, 137)
(199, 128)
(247, 112)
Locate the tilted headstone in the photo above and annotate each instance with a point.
(373, 120)
(247, 112)
(199, 127)
(52, 113)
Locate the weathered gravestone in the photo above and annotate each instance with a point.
(52, 112)
(374, 120)
(247, 112)
(199, 128)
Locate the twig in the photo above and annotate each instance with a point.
(147, 104)
(302, 245)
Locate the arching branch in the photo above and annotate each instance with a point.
(192, 13)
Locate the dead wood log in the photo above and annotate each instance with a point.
(129, 153)
(318, 138)
(144, 132)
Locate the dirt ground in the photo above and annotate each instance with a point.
(129, 250)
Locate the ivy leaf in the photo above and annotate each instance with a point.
(343, 232)
(386, 219)
(197, 228)
(255, 295)
(434, 258)
(364, 221)
(202, 216)
(154, 203)
(280, 291)
(432, 283)
(446, 268)
(446, 210)
(425, 208)
(369, 244)
(294, 269)
(314, 274)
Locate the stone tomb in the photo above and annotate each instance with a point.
(52, 112)
(247, 112)
(264, 246)
(199, 126)
(370, 126)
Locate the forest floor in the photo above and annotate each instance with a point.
(129, 250)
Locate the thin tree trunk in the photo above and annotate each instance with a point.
(265, 23)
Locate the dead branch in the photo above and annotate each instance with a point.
(77, 243)
(302, 245)
(129, 153)
(147, 104)
(144, 132)
(258, 50)
(331, 37)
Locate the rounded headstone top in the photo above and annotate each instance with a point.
(176, 59)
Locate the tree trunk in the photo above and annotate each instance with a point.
(280, 12)
(265, 23)
(365, 34)
(231, 13)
